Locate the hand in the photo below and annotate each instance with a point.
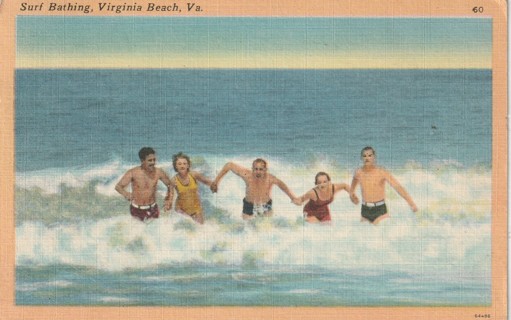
(297, 201)
(168, 205)
(213, 187)
(354, 198)
(414, 207)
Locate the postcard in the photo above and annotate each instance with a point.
(254, 159)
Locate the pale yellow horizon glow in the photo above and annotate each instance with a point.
(352, 60)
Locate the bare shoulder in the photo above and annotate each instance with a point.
(273, 179)
(135, 171)
(237, 169)
(161, 172)
(383, 172)
(195, 174)
(127, 177)
(311, 194)
(243, 172)
(134, 174)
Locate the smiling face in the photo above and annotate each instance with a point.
(149, 163)
(182, 166)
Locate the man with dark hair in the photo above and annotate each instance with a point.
(372, 179)
(144, 182)
(259, 183)
(144, 152)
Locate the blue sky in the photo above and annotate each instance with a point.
(254, 42)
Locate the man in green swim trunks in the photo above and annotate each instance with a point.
(259, 182)
(372, 179)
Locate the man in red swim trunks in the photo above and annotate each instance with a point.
(144, 182)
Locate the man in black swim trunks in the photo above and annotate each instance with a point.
(259, 183)
(372, 179)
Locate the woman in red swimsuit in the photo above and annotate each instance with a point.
(316, 210)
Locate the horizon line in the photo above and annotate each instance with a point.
(224, 68)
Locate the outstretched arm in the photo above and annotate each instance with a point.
(229, 166)
(306, 196)
(284, 188)
(341, 186)
(201, 178)
(123, 183)
(353, 187)
(401, 190)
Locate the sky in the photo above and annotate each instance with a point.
(253, 42)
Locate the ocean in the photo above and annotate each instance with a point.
(78, 131)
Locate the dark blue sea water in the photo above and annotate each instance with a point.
(70, 118)
(78, 131)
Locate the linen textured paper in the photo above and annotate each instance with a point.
(414, 226)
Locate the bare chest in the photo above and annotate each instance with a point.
(371, 179)
(145, 181)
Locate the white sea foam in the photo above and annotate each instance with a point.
(34, 286)
(452, 228)
(121, 242)
(112, 299)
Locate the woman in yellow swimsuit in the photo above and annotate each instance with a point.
(185, 182)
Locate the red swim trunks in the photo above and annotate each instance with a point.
(145, 212)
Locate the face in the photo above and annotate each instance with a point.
(322, 182)
(149, 162)
(259, 170)
(182, 165)
(368, 157)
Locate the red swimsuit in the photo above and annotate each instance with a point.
(319, 208)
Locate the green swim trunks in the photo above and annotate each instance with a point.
(373, 213)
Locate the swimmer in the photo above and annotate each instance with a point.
(144, 181)
(186, 184)
(317, 210)
(372, 179)
(259, 182)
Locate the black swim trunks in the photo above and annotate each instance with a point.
(251, 209)
(373, 213)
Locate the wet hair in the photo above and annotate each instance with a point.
(366, 149)
(260, 160)
(319, 174)
(144, 152)
(178, 156)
